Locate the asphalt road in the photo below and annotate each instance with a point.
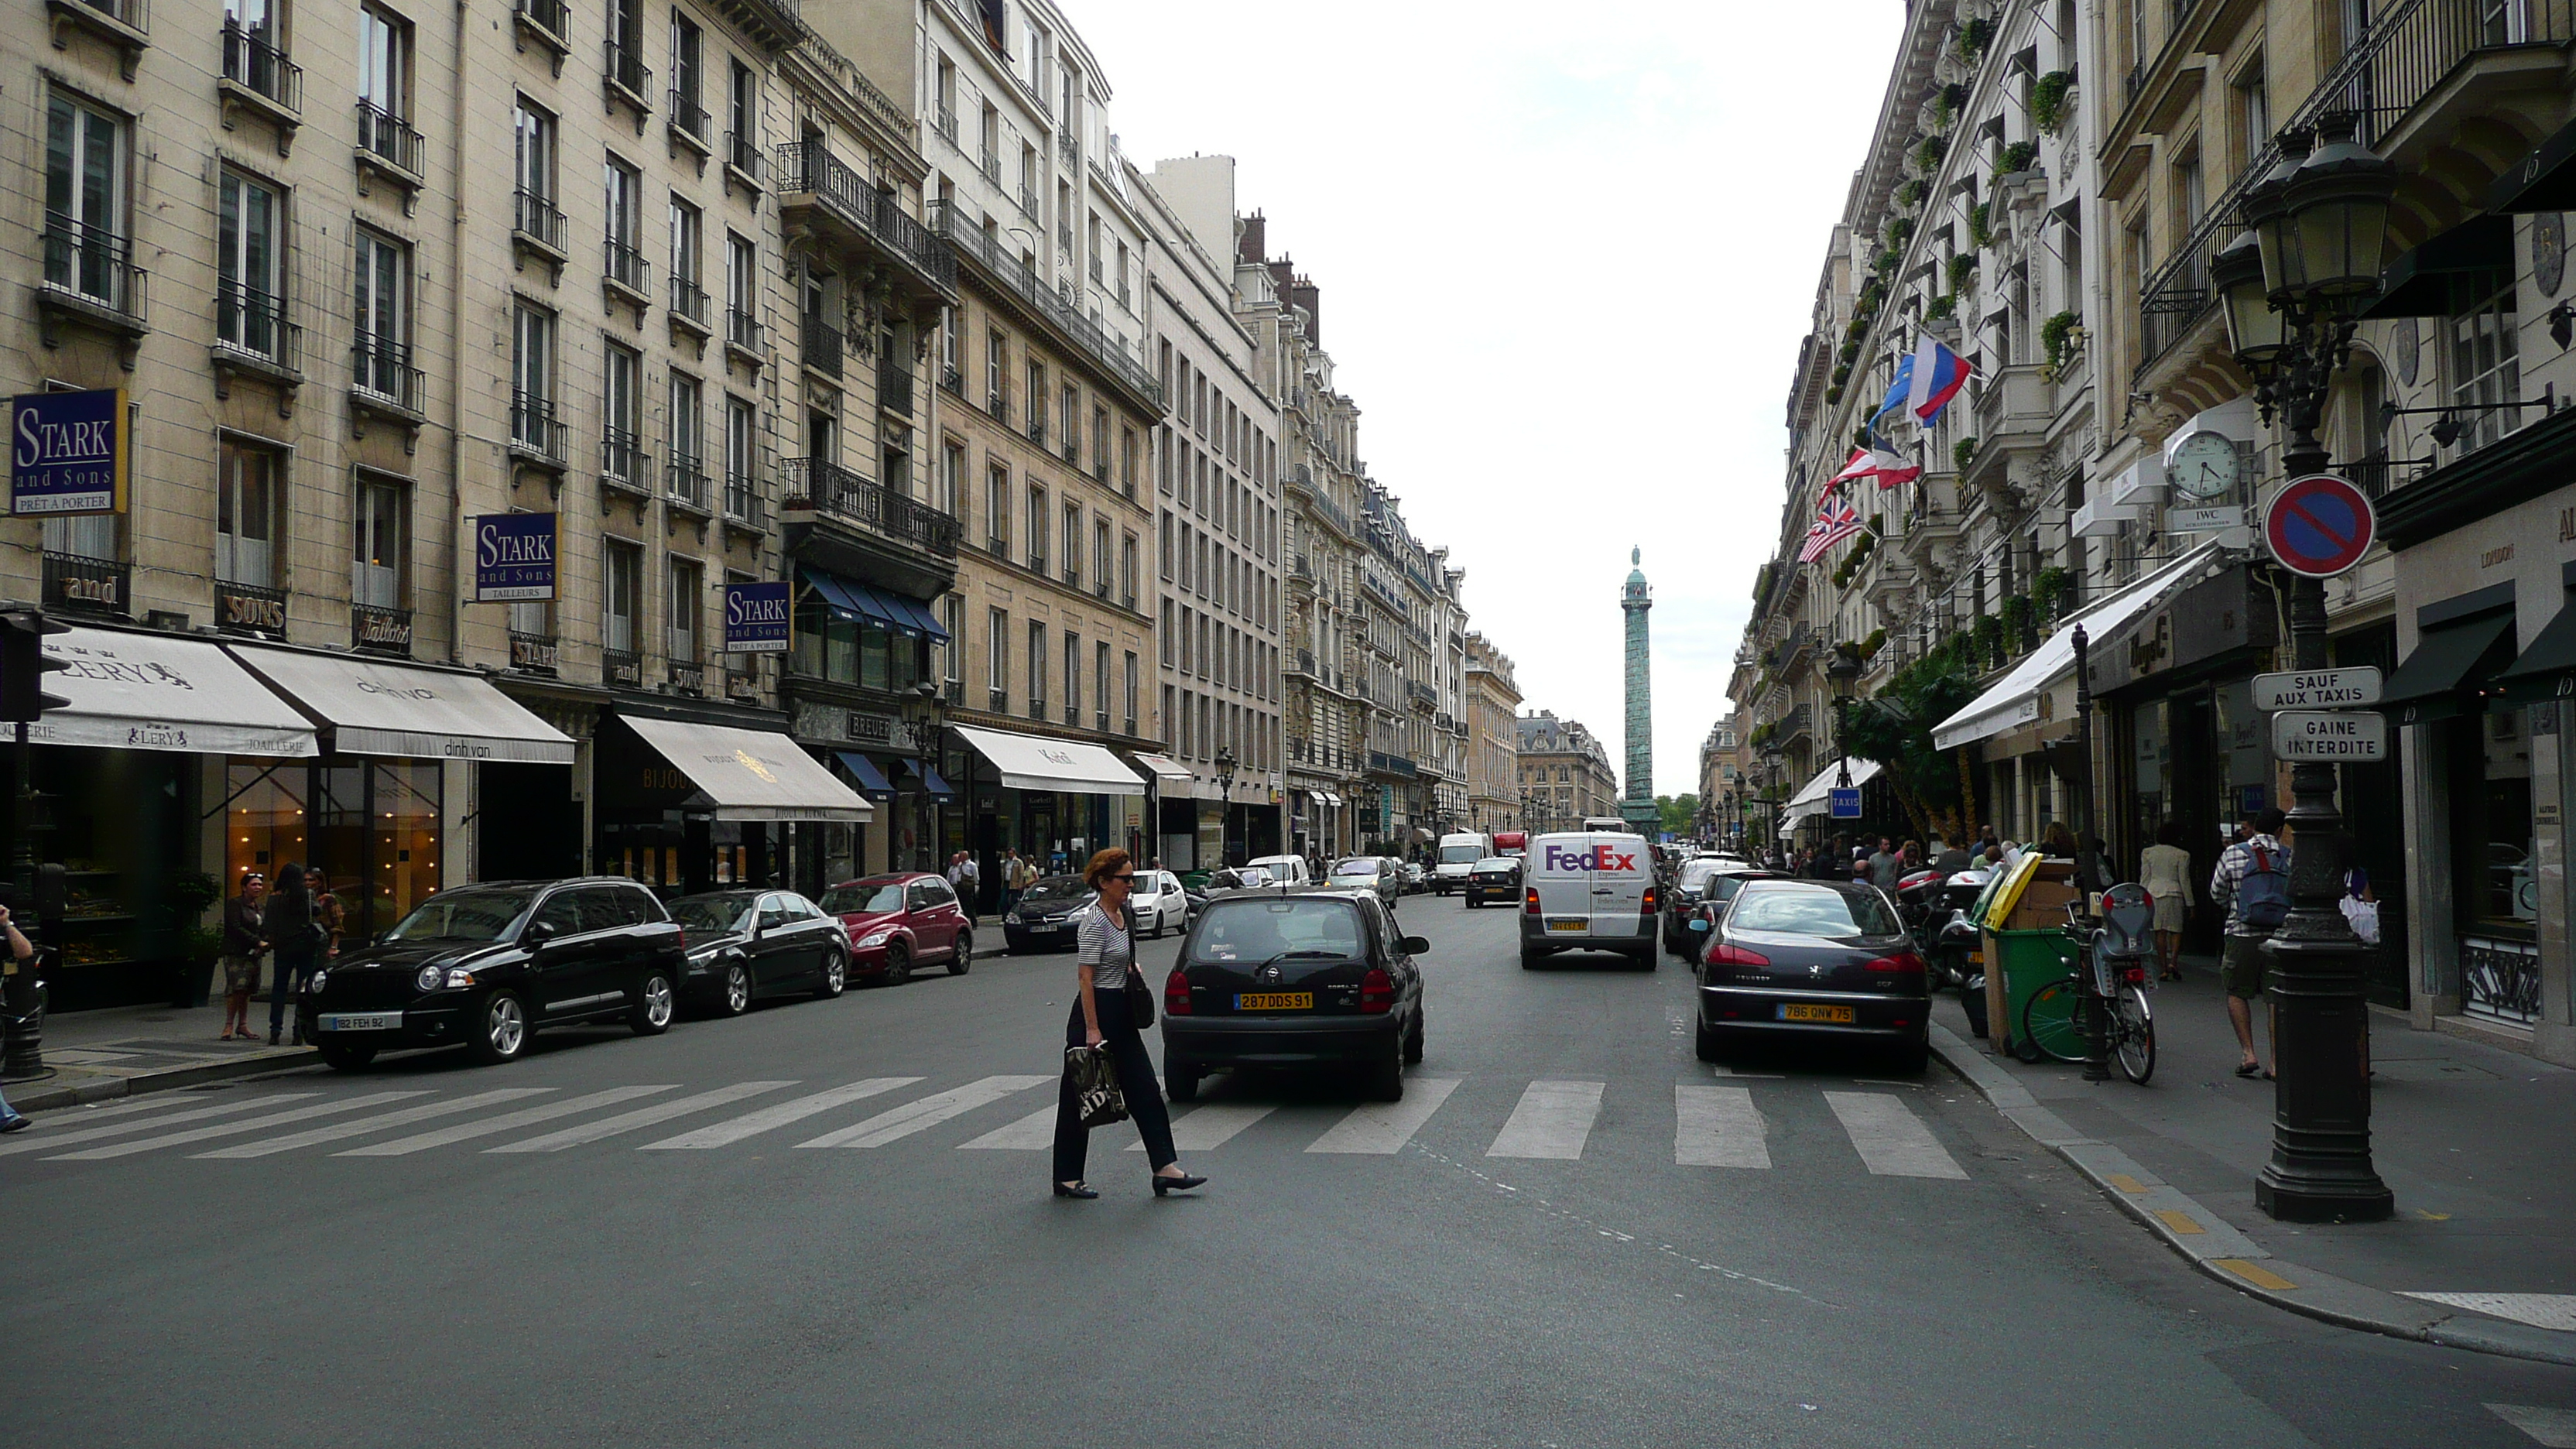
(626, 1255)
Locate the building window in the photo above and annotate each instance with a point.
(382, 513)
(250, 303)
(383, 347)
(688, 596)
(621, 420)
(1037, 670)
(2486, 367)
(621, 580)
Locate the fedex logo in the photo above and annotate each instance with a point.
(1597, 858)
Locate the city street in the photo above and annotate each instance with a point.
(1568, 1233)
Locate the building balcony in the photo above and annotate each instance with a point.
(90, 279)
(380, 630)
(390, 148)
(125, 24)
(831, 204)
(93, 585)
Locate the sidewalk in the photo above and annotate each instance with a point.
(2472, 1139)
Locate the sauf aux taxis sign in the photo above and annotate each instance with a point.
(69, 453)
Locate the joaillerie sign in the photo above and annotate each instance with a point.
(70, 452)
(756, 618)
(514, 556)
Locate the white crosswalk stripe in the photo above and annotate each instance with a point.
(1717, 1127)
(1032, 1133)
(938, 1107)
(506, 1122)
(1552, 1121)
(1891, 1140)
(640, 1117)
(401, 1117)
(1381, 1128)
(229, 1129)
(767, 1119)
(38, 1139)
(1208, 1128)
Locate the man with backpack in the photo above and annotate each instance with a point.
(2252, 885)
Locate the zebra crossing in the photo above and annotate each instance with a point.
(1711, 1126)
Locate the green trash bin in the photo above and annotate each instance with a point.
(2023, 962)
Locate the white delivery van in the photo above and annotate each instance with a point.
(1457, 859)
(1588, 890)
(1283, 869)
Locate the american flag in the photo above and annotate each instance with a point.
(1837, 518)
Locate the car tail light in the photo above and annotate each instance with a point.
(1725, 955)
(1897, 964)
(1529, 901)
(1377, 992)
(1176, 994)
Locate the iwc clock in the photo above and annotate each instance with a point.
(2206, 466)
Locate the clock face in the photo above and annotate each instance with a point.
(2206, 466)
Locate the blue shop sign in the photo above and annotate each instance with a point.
(756, 618)
(70, 453)
(514, 556)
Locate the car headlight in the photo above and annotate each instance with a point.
(458, 977)
(875, 938)
(313, 984)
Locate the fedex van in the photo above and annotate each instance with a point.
(1457, 858)
(1588, 890)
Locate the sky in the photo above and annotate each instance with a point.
(1565, 273)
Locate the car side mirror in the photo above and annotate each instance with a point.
(1697, 924)
(1414, 945)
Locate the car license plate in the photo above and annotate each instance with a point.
(1799, 1011)
(372, 1021)
(1274, 1001)
(1573, 925)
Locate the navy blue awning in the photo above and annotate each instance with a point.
(872, 781)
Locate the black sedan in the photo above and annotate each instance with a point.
(1319, 979)
(1496, 878)
(744, 945)
(1042, 918)
(1708, 901)
(1800, 959)
(485, 965)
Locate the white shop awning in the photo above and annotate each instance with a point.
(152, 691)
(1036, 762)
(1817, 798)
(1164, 768)
(381, 707)
(2014, 699)
(750, 775)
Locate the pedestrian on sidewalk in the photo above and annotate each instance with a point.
(22, 952)
(2164, 870)
(1104, 968)
(245, 941)
(2252, 885)
(294, 935)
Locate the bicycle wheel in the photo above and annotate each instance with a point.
(2134, 1035)
(2051, 1020)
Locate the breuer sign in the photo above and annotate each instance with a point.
(2317, 689)
(2338, 736)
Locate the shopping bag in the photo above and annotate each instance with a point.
(1094, 1074)
(2364, 916)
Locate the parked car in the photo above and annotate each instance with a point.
(484, 966)
(1159, 903)
(902, 920)
(744, 945)
(1370, 873)
(1043, 918)
(1495, 878)
(1812, 959)
(1589, 890)
(1318, 978)
(1681, 899)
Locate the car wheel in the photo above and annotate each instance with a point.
(504, 1031)
(1413, 1040)
(1180, 1080)
(1386, 1079)
(836, 977)
(341, 1058)
(898, 963)
(1704, 1043)
(963, 956)
(655, 1004)
(737, 989)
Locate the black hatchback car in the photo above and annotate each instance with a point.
(1315, 978)
(484, 966)
(1812, 959)
(744, 945)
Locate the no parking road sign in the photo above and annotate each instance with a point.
(2319, 525)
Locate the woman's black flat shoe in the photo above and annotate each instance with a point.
(1076, 1190)
(1182, 1183)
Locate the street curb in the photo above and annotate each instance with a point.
(108, 1089)
(2223, 1252)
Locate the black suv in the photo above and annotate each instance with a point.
(486, 965)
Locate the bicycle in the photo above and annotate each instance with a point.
(2052, 1020)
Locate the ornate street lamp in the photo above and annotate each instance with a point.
(2319, 226)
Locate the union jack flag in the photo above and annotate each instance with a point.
(1837, 518)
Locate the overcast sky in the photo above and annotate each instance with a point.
(1566, 257)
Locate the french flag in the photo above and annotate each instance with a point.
(1934, 376)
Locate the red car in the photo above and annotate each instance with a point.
(900, 921)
